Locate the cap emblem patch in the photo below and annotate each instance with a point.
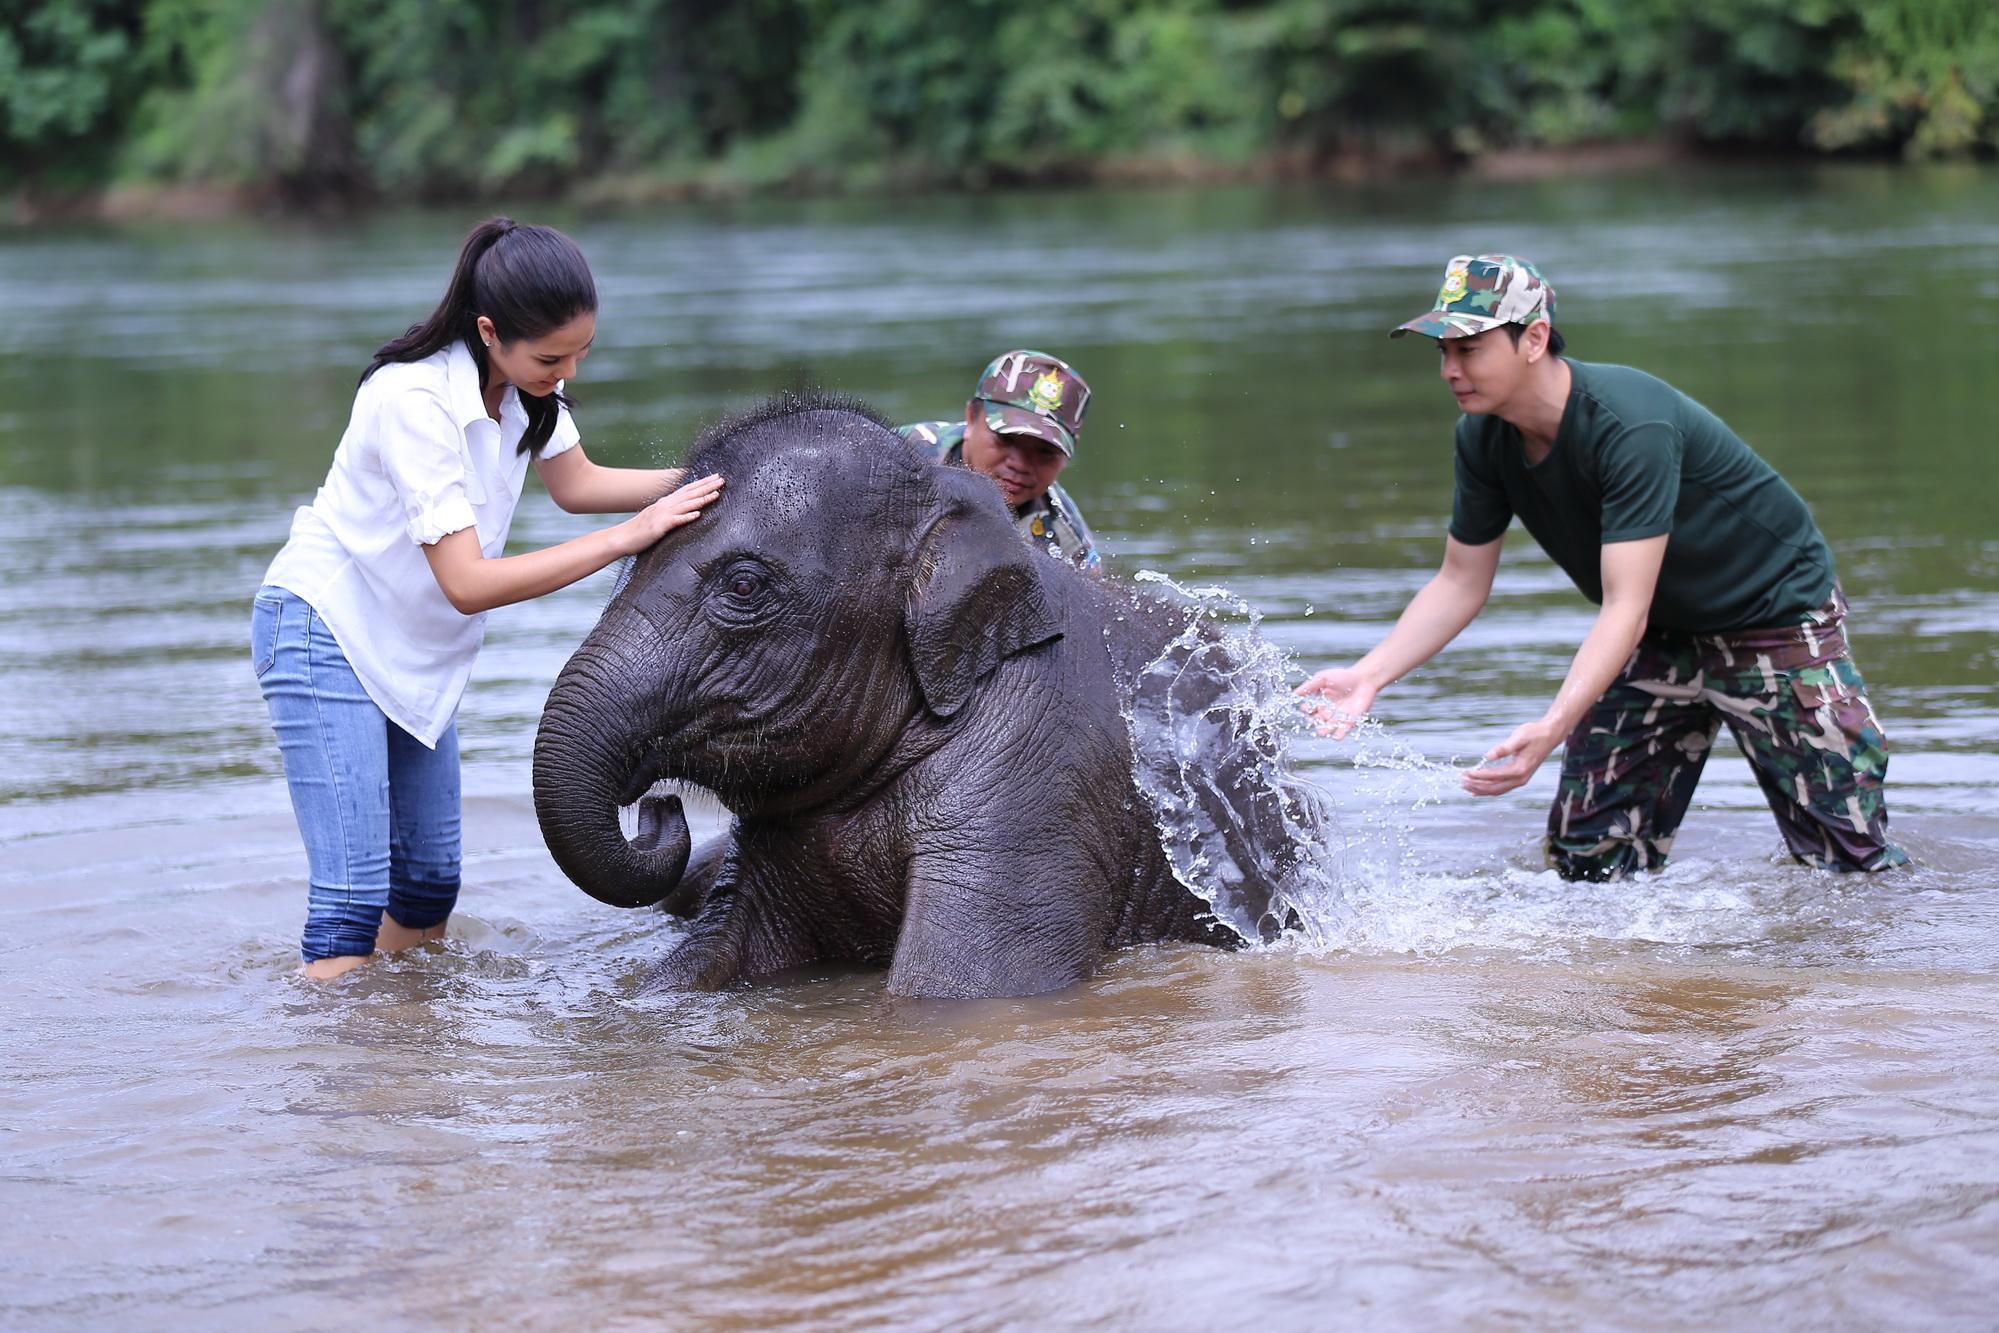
(1454, 285)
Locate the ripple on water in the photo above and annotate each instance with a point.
(1497, 1094)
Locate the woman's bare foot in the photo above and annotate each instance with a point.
(394, 936)
(325, 969)
(391, 937)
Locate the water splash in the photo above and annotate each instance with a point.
(624, 567)
(1212, 720)
(1209, 717)
(1509, 902)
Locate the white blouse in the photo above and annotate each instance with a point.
(420, 460)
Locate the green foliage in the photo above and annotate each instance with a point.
(1924, 75)
(1014, 87)
(69, 72)
(1377, 73)
(1753, 71)
(603, 86)
(411, 98)
(204, 115)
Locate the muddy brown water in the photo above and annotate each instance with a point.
(1737, 1091)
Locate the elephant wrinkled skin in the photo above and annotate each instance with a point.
(916, 719)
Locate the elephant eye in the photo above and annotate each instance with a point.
(742, 592)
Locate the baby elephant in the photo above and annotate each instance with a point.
(918, 721)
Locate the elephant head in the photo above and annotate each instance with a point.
(826, 619)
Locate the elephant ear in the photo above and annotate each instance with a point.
(980, 596)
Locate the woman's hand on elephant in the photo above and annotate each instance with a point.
(680, 507)
(1339, 698)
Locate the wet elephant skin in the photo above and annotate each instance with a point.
(916, 719)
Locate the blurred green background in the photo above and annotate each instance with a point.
(317, 101)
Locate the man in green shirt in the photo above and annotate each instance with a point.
(1718, 595)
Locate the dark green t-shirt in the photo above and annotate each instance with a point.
(1635, 458)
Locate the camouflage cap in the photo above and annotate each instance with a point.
(1032, 393)
(1481, 293)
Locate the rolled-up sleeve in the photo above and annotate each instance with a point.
(423, 455)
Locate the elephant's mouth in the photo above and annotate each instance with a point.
(593, 796)
(692, 755)
(642, 815)
(647, 773)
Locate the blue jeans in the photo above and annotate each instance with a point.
(377, 809)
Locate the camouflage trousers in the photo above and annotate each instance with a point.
(1798, 708)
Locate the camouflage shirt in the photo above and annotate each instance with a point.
(1051, 522)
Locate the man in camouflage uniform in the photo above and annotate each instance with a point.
(1718, 595)
(1020, 429)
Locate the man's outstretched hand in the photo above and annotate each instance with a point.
(1514, 760)
(1337, 699)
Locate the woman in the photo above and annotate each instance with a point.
(365, 631)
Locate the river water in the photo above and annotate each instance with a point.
(1738, 1090)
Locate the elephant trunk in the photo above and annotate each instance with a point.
(589, 760)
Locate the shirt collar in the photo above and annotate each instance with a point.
(461, 376)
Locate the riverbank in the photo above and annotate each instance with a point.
(141, 202)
